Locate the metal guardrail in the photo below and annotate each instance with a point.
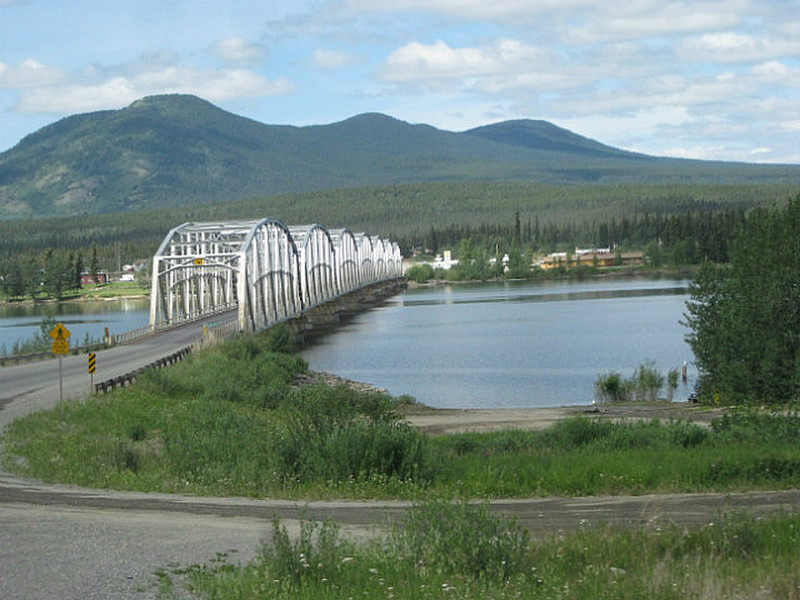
(213, 332)
(129, 378)
(148, 330)
(15, 359)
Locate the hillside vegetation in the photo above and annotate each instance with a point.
(178, 150)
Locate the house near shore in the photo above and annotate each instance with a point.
(593, 257)
(98, 278)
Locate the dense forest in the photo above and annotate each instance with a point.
(672, 224)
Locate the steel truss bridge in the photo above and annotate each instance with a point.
(269, 271)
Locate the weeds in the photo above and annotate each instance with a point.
(464, 551)
(644, 385)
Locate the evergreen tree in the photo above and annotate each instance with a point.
(94, 265)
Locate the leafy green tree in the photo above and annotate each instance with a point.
(744, 319)
(420, 273)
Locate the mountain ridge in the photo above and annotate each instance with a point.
(171, 150)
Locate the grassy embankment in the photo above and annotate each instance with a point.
(189, 429)
(230, 421)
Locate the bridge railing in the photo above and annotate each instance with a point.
(148, 330)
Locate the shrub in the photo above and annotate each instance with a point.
(610, 388)
(420, 273)
(646, 382)
(280, 339)
(339, 434)
(463, 538)
(316, 554)
(643, 386)
(238, 370)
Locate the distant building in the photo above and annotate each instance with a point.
(596, 257)
(87, 279)
(444, 262)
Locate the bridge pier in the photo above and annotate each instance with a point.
(327, 317)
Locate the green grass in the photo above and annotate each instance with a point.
(464, 551)
(114, 289)
(582, 456)
(190, 429)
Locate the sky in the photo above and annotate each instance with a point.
(707, 79)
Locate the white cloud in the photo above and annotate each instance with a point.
(503, 64)
(237, 51)
(733, 47)
(114, 93)
(778, 74)
(29, 74)
(121, 90)
(501, 10)
(332, 59)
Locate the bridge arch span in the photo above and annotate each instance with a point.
(267, 270)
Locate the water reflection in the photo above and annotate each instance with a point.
(549, 297)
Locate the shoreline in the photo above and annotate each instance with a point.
(446, 421)
(609, 273)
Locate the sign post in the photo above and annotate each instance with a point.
(92, 369)
(60, 335)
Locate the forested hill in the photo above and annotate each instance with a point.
(177, 150)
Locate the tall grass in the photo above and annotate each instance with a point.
(227, 421)
(582, 456)
(335, 442)
(232, 421)
(464, 551)
(644, 385)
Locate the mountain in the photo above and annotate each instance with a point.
(175, 150)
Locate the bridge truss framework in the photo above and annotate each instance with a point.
(269, 271)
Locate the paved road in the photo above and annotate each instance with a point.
(33, 386)
(64, 542)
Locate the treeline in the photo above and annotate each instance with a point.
(685, 238)
(674, 224)
(50, 274)
(680, 239)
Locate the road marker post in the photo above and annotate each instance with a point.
(92, 369)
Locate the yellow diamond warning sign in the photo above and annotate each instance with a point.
(60, 335)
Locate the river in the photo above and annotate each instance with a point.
(512, 344)
(85, 319)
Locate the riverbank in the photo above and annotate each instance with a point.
(449, 421)
(444, 421)
(589, 273)
(99, 294)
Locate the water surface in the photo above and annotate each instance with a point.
(21, 322)
(513, 344)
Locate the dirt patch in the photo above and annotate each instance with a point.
(444, 421)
